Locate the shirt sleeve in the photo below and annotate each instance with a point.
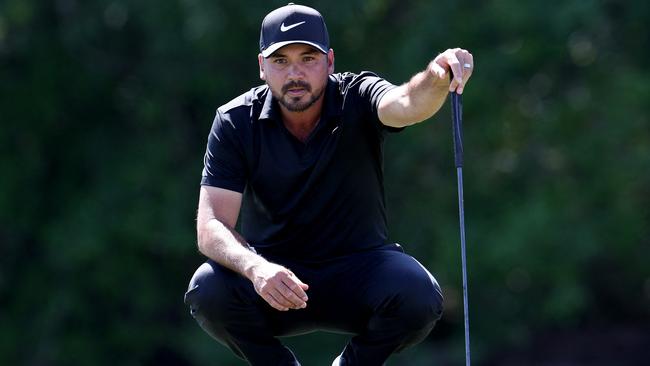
(372, 89)
(224, 164)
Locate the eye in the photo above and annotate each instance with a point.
(279, 61)
(309, 58)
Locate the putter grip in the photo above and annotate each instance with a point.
(457, 119)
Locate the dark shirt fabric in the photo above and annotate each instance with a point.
(305, 201)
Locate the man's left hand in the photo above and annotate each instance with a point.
(455, 65)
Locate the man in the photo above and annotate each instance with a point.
(301, 157)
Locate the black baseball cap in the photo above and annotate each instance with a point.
(293, 24)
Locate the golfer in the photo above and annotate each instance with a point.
(300, 160)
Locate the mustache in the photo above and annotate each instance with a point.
(296, 84)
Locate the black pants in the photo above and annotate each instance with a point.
(385, 298)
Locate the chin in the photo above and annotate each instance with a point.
(294, 105)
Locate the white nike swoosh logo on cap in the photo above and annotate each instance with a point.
(284, 29)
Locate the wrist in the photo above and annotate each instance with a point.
(250, 269)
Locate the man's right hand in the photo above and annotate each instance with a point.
(278, 286)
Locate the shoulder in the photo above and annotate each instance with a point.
(347, 78)
(234, 118)
(348, 81)
(240, 107)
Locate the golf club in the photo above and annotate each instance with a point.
(457, 119)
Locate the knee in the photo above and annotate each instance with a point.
(207, 291)
(421, 307)
(421, 302)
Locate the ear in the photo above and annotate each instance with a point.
(260, 61)
(330, 61)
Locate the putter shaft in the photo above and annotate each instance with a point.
(457, 119)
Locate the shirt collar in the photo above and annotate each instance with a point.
(331, 106)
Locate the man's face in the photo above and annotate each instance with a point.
(297, 75)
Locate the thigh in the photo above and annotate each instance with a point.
(400, 287)
(227, 300)
(345, 292)
(349, 290)
(391, 272)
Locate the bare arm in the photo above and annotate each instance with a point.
(218, 240)
(423, 95)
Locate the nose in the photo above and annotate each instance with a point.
(295, 72)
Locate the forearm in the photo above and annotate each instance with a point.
(225, 246)
(415, 101)
(425, 93)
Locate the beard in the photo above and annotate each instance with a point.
(294, 104)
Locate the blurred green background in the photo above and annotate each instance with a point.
(105, 107)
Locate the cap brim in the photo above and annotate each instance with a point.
(276, 46)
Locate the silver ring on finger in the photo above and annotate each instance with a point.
(467, 65)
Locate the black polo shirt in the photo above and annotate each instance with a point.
(305, 201)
